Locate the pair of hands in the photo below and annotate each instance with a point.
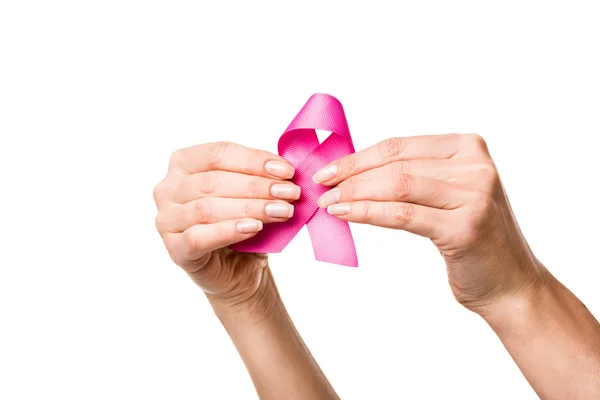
(444, 187)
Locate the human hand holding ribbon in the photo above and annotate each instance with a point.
(299, 145)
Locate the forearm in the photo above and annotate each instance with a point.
(279, 363)
(554, 340)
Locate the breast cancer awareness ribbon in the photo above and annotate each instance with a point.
(299, 145)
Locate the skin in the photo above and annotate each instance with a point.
(215, 195)
(443, 187)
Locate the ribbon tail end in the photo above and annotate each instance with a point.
(351, 261)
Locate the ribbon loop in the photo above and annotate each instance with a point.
(299, 145)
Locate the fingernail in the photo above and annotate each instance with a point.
(330, 197)
(285, 191)
(339, 209)
(279, 169)
(249, 226)
(325, 174)
(279, 210)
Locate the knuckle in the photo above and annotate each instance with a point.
(158, 193)
(248, 209)
(474, 138)
(175, 158)
(177, 185)
(348, 167)
(391, 147)
(474, 222)
(216, 152)
(191, 243)
(475, 141)
(489, 175)
(253, 187)
(402, 213)
(365, 212)
(348, 189)
(399, 168)
(203, 210)
(488, 168)
(253, 157)
(162, 191)
(403, 186)
(208, 182)
(484, 206)
(159, 222)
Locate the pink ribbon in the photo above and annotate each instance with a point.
(331, 237)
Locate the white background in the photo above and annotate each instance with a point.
(94, 97)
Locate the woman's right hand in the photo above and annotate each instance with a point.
(215, 195)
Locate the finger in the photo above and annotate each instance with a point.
(231, 157)
(232, 185)
(420, 220)
(451, 170)
(406, 188)
(209, 210)
(198, 240)
(387, 151)
(471, 172)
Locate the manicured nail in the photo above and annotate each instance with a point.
(286, 191)
(339, 209)
(325, 174)
(279, 210)
(279, 169)
(249, 226)
(330, 197)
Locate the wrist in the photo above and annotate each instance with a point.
(553, 338)
(279, 363)
(251, 307)
(523, 307)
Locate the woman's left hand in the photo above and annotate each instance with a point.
(446, 188)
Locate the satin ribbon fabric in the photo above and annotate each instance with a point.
(331, 237)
